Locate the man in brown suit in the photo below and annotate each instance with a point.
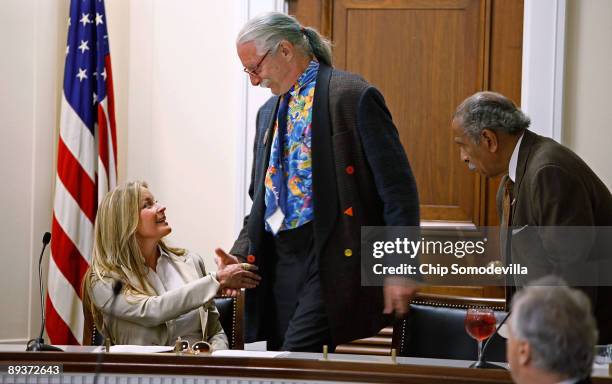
(546, 186)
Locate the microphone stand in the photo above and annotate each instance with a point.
(38, 344)
(482, 363)
(117, 286)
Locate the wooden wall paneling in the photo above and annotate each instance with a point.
(425, 57)
(506, 70)
(313, 13)
(505, 73)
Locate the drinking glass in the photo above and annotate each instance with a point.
(480, 324)
(603, 354)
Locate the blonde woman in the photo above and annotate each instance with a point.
(166, 292)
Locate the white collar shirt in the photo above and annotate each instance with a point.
(514, 160)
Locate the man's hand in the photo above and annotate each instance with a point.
(398, 292)
(237, 276)
(223, 260)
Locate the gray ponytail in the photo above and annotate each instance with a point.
(269, 29)
(320, 47)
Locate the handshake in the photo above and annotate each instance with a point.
(234, 275)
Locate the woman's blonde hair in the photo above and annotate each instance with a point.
(115, 246)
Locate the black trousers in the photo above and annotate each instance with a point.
(298, 320)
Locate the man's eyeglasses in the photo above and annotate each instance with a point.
(255, 71)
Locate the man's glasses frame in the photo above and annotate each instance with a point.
(255, 71)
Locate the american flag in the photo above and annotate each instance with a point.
(86, 165)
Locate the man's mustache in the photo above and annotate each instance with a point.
(265, 83)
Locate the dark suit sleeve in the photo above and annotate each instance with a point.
(240, 248)
(559, 200)
(385, 155)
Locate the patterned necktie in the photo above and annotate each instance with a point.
(505, 234)
(274, 214)
(507, 204)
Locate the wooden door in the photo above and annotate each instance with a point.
(426, 56)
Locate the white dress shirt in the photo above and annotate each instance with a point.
(514, 160)
(569, 381)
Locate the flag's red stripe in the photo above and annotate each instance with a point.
(57, 329)
(67, 257)
(103, 138)
(110, 92)
(76, 180)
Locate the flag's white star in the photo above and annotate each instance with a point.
(95, 74)
(95, 98)
(67, 49)
(69, 21)
(82, 74)
(104, 74)
(85, 19)
(83, 47)
(99, 19)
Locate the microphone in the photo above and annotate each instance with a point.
(117, 287)
(38, 344)
(482, 362)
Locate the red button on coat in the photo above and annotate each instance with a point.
(250, 259)
(350, 169)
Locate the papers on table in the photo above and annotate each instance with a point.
(136, 348)
(603, 370)
(239, 353)
(256, 346)
(160, 349)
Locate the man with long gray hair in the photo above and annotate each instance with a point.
(551, 334)
(549, 201)
(327, 160)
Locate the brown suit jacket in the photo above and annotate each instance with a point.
(555, 188)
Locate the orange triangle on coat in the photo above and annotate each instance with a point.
(349, 211)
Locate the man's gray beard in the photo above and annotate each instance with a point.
(471, 167)
(265, 83)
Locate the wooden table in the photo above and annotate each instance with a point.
(80, 364)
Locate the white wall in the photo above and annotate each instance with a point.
(543, 65)
(187, 120)
(118, 27)
(588, 84)
(182, 135)
(30, 34)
